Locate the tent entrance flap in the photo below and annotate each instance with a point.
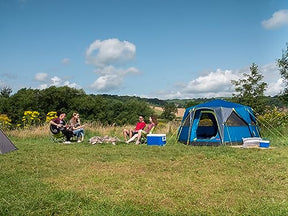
(207, 127)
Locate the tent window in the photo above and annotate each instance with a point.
(235, 120)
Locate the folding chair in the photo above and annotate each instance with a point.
(56, 135)
(144, 136)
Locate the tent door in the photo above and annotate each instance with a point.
(207, 127)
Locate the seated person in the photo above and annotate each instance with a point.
(76, 127)
(153, 122)
(58, 124)
(139, 126)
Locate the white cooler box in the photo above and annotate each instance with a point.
(251, 141)
(156, 139)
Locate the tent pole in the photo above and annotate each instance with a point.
(181, 126)
(190, 125)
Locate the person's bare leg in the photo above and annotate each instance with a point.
(139, 137)
(132, 138)
(125, 133)
(130, 133)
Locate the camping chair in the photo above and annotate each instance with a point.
(58, 138)
(56, 135)
(144, 135)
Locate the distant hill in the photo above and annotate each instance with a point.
(151, 101)
(184, 103)
(181, 103)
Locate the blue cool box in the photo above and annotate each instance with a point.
(264, 144)
(156, 139)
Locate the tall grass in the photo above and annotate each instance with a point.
(44, 178)
(277, 135)
(93, 129)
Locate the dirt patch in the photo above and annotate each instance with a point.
(180, 112)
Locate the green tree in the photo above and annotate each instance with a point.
(250, 90)
(191, 103)
(59, 98)
(100, 108)
(283, 68)
(169, 111)
(25, 99)
(85, 105)
(5, 92)
(133, 108)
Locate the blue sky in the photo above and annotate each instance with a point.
(148, 48)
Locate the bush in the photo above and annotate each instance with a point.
(274, 118)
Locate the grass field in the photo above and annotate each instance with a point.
(45, 178)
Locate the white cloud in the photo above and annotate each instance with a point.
(118, 71)
(41, 77)
(111, 78)
(47, 81)
(106, 83)
(71, 85)
(214, 84)
(270, 72)
(110, 52)
(218, 84)
(167, 94)
(272, 78)
(218, 81)
(109, 58)
(275, 88)
(43, 86)
(56, 81)
(65, 61)
(278, 19)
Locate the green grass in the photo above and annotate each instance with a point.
(44, 178)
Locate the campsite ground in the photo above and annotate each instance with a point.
(44, 178)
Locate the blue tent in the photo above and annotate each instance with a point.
(217, 122)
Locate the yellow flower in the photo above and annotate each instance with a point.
(27, 113)
(51, 115)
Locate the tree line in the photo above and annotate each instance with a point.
(29, 105)
(91, 107)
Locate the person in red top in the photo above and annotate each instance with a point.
(152, 123)
(139, 126)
